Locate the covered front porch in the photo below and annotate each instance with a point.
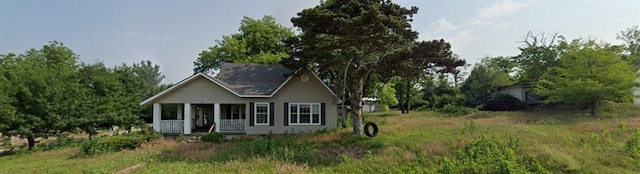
(187, 118)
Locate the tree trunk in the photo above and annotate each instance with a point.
(31, 142)
(593, 108)
(408, 97)
(356, 106)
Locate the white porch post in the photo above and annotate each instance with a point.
(192, 117)
(156, 116)
(187, 118)
(180, 112)
(216, 116)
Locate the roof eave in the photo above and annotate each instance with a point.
(181, 83)
(338, 100)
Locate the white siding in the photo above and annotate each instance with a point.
(203, 91)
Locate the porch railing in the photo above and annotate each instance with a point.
(171, 126)
(231, 126)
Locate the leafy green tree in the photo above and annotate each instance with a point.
(415, 63)
(109, 103)
(631, 37)
(140, 81)
(538, 53)
(42, 86)
(414, 98)
(354, 34)
(6, 109)
(387, 96)
(588, 75)
(441, 92)
(150, 76)
(484, 78)
(261, 41)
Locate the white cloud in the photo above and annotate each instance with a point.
(489, 24)
(459, 36)
(442, 25)
(501, 8)
(439, 28)
(464, 37)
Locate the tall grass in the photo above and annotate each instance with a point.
(541, 140)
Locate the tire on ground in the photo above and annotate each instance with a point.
(375, 129)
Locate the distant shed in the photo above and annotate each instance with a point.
(520, 91)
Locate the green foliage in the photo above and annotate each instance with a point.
(457, 109)
(407, 93)
(61, 142)
(141, 81)
(116, 143)
(181, 138)
(346, 122)
(41, 93)
(503, 102)
(47, 92)
(260, 41)
(110, 101)
(358, 35)
(631, 37)
(485, 77)
(150, 135)
(412, 143)
(538, 53)
(633, 144)
(416, 64)
(387, 96)
(212, 137)
(285, 148)
(441, 92)
(111, 144)
(588, 74)
(491, 155)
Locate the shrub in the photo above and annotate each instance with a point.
(285, 148)
(61, 142)
(346, 122)
(490, 155)
(212, 137)
(116, 143)
(503, 102)
(457, 110)
(633, 144)
(151, 135)
(181, 137)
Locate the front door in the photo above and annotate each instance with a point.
(203, 117)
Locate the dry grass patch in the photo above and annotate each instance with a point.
(334, 136)
(291, 168)
(190, 151)
(332, 153)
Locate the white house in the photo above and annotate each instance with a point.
(247, 99)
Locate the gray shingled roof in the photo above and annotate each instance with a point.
(253, 79)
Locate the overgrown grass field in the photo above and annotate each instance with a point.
(534, 141)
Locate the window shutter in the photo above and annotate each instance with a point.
(286, 114)
(252, 113)
(271, 114)
(323, 109)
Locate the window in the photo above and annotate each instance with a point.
(237, 112)
(262, 114)
(304, 114)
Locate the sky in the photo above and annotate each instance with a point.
(172, 33)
